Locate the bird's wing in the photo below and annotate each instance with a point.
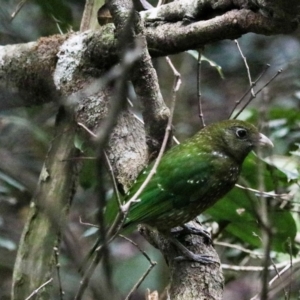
(171, 187)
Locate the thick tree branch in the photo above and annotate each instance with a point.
(31, 65)
(47, 215)
(189, 280)
(195, 10)
(177, 37)
(144, 77)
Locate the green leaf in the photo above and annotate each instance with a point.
(79, 143)
(237, 209)
(195, 54)
(289, 165)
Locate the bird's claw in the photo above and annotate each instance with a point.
(190, 256)
(200, 258)
(198, 231)
(188, 19)
(188, 229)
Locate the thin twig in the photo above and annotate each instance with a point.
(252, 198)
(291, 263)
(18, 8)
(87, 129)
(38, 289)
(98, 250)
(252, 253)
(56, 255)
(113, 178)
(175, 72)
(251, 84)
(286, 265)
(249, 89)
(80, 158)
(258, 91)
(139, 248)
(140, 120)
(110, 169)
(200, 109)
(139, 282)
(57, 24)
(121, 216)
(164, 143)
(87, 224)
(152, 265)
(285, 197)
(112, 232)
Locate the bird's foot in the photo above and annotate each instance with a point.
(188, 229)
(190, 256)
(198, 231)
(188, 19)
(200, 258)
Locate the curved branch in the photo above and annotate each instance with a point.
(26, 69)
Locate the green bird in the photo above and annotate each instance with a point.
(192, 176)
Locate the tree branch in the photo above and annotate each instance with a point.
(48, 212)
(189, 280)
(31, 65)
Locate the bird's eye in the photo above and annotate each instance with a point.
(241, 133)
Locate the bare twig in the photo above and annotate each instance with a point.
(99, 250)
(108, 164)
(18, 8)
(249, 89)
(87, 130)
(291, 272)
(251, 83)
(38, 289)
(110, 236)
(87, 224)
(252, 253)
(286, 265)
(175, 72)
(176, 85)
(262, 211)
(285, 197)
(113, 178)
(173, 137)
(200, 109)
(152, 265)
(139, 282)
(56, 255)
(251, 97)
(123, 210)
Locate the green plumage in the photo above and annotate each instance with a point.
(192, 176)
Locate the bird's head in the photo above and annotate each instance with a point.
(237, 138)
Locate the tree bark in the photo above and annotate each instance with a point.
(47, 216)
(31, 65)
(189, 280)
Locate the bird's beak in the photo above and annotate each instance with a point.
(263, 141)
